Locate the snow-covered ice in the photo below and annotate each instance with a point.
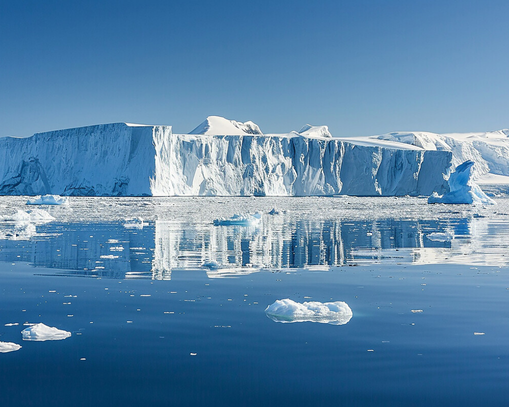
(49, 200)
(287, 311)
(462, 190)
(40, 332)
(6, 347)
(489, 150)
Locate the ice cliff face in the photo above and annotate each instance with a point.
(121, 159)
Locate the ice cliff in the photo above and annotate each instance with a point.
(124, 159)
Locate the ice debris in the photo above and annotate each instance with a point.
(462, 190)
(6, 347)
(41, 332)
(287, 311)
(49, 200)
(240, 220)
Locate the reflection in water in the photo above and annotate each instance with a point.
(162, 248)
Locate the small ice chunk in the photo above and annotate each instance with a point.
(134, 223)
(212, 265)
(287, 311)
(240, 220)
(6, 347)
(33, 215)
(49, 200)
(446, 236)
(41, 332)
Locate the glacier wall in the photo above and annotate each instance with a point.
(121, 159)
(292, 166)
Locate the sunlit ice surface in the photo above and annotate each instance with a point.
(166, 306)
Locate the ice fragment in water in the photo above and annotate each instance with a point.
(6, 347)
(240, 220)
(49, 200)
(41, 332)
(287, 311)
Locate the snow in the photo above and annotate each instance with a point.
(287, 311)
(41, 332)
(6, 347)
(315, 131)
(49, 200)
(461, 189)
(227, 158)
(216, 125)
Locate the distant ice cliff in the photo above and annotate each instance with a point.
(136, 160)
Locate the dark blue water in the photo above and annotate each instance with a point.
(153, 325)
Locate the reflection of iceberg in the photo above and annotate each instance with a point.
(461, 189)
(6, 347)
(41, 333)
(287, 311)
(163, 248)
(49, 200)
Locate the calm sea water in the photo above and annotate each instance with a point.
(171, 311)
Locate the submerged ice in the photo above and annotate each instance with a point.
(287, 311)
(220, 157)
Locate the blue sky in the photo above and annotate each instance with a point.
(362, 66)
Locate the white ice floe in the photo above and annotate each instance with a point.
(134, 223)
(287, 311)
(49, 200)
(41, 332)
(446, 236)
(240, 220)
(33, 215)
(6, 347)
(462, 190)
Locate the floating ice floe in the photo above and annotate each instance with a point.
(49, 200)
(134, 223)
(6, 347)
(240, 220)
(287, 311)
(33, 216)
(446, 236)
(41, 332)
(462, 190)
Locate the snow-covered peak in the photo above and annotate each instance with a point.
(315, 131)
(217, 125)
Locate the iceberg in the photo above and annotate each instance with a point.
(49, 200)
(461, 189)
(288, 311)
(220, 157)
(41, 333)
(6, 347)
(240, 220)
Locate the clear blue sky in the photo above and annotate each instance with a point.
(360, 66)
